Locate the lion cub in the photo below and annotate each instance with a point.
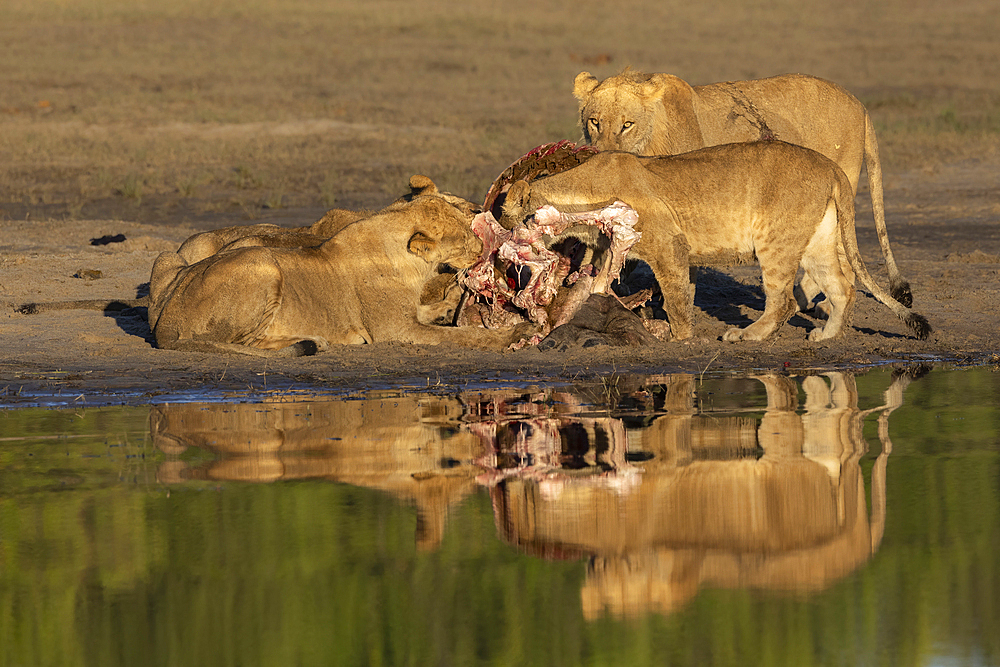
(782, 205)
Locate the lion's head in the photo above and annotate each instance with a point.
(646, 114)
(441, 232)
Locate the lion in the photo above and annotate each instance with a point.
(364, 285)
(775, 202)
(660, 114)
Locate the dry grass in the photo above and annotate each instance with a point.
(208, 108)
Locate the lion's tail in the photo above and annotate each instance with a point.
(848, 234)
(107, 305)
(303, 348)
(898, 286)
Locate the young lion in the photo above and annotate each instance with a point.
(780, 204)
(367, 284)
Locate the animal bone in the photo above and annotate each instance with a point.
(530, 275)
(617, 222)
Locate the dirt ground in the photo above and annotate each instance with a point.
(942, 202)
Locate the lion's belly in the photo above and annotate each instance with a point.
(724, 257)
(726, 244)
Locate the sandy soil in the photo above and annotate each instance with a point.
(943, 225)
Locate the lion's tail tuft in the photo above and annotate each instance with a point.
(919, 324)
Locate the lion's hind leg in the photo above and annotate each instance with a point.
(779, 304)
(826, 263)
(805, 294)
(224, 303)
(839, 302)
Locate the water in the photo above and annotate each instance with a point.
(672, 520)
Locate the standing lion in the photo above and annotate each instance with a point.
(660, 114)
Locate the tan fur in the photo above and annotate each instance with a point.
(364, 285)
(660, 114)
(205, 244)
(783, 204)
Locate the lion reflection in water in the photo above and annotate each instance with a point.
(693, 498)
(722, 501)
(404, 445)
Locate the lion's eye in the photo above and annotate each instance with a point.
(626, 125)
(594, 124)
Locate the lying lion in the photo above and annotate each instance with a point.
(780, 204)
(364, 285)
(660, 114)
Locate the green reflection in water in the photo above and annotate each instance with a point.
(376, 546)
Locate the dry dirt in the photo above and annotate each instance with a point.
(942, 202)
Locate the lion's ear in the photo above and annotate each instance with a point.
(422, 245)
(421, 185)
(584, 85)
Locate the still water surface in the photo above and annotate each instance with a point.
(670, 520)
